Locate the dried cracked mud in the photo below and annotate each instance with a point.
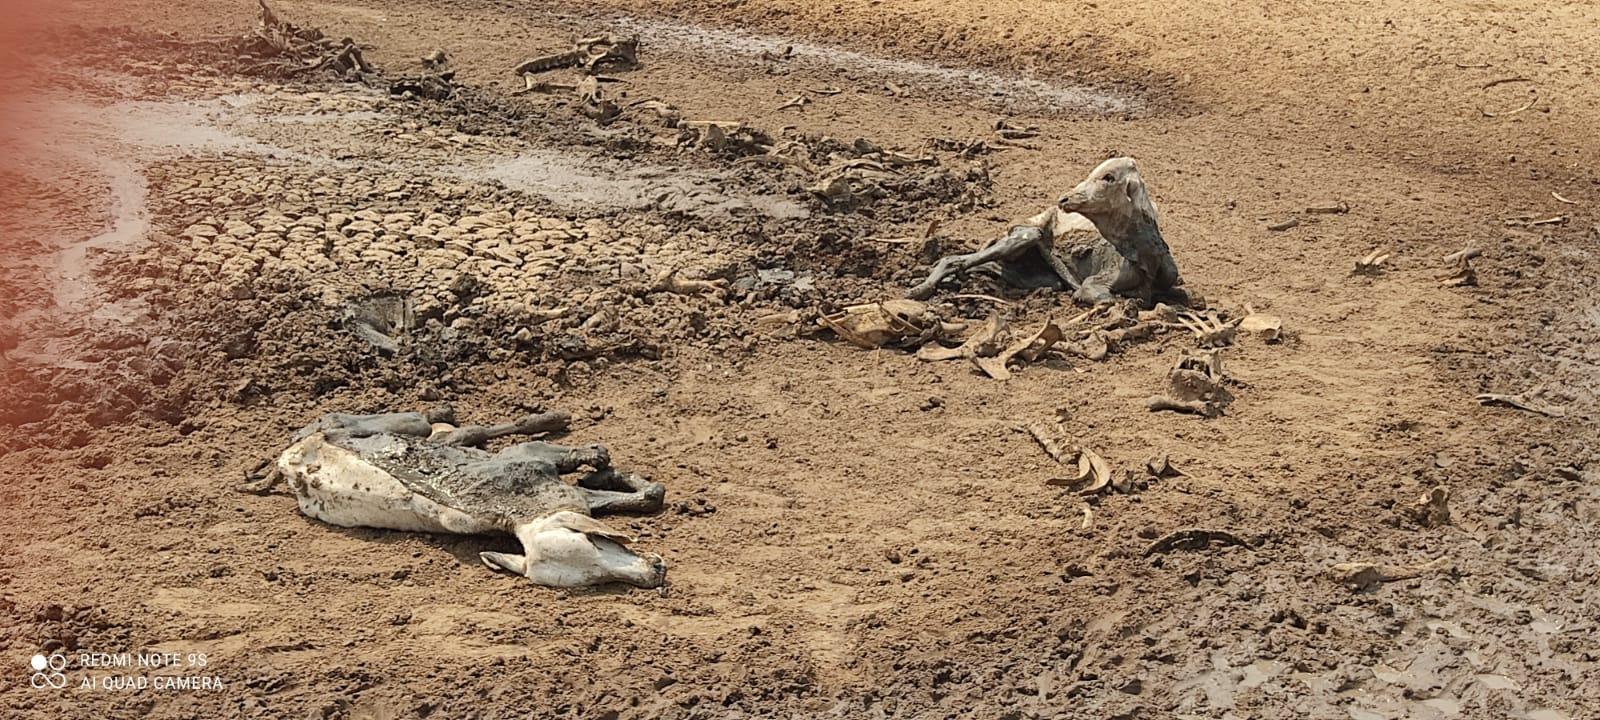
(199, 259)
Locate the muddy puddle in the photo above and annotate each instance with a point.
(981, 86)
(575, 181)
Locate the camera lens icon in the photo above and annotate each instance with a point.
(48, 671)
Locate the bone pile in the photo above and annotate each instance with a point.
(275, 48)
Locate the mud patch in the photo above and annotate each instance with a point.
(573, 181)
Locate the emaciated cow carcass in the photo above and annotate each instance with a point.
(416, 471)
(1108, 227)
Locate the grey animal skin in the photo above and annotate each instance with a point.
(1109, 230)
(413, 471)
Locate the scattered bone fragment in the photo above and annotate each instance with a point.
(1532, 99)
(1196, 386)
(780, 319)
(1284, 225)
(891, 323)
(1161, 466)
(1093, 346)
(670, 281)
(1009, 131)
(1520, 403)
(1028, 349)
(1561, 199)
(1051, 439)
(1529, 222)
(1432, 509)
(1267, 327)
(590, 54)
(1372, 263)
(1463, 274)
(1157, 403)
(1093, 473)
(1209, 329)
(798, 101)
(723, 137)
(434, 86)
(1162, 313)
(1193, 539)
(593, 102)
(668, 114)
(1338, 208)
(980, 343)
(1367, 575)
(436, 59)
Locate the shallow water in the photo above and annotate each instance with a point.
(977, 84)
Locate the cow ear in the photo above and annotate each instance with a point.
(1139, 196)
(1134, 187)
(515, 564)
(590, 526)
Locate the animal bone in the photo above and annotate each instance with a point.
(1269, 327)
(1520, 403)
(1195, 386)
(1050, 439)
(888, 323)
(669, 115)
(589, 53)
(1464, 274)
(1160, 466)
(1027, 349)
(1192, 539)
(1094, 473)
(595, 104)
(1209, 329)
(1008, 131)
(980, 343)
(1432, 509)
(1372, 263)
(292, 50)
(1366, 575)
(415, 471)
(669, 281)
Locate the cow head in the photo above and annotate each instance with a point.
(569, 549)
(1113, 192)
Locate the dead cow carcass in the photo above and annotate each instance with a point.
(1109, 228)
(415, 471)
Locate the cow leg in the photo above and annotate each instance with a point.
(1021, 239)
(477, 435)
(1096, 290)
(608, 491)
(565, 459)
(416, 424)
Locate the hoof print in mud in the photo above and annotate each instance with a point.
(416, 471)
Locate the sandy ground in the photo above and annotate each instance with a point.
(850, 533)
